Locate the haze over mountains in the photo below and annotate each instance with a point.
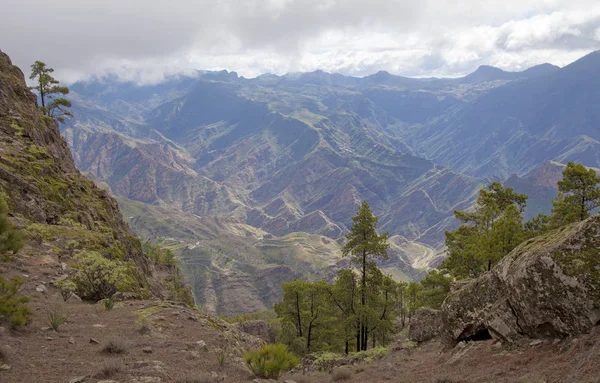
(298, 153)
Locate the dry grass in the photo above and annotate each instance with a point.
(115, 346)
(341, 374)
(110, 368)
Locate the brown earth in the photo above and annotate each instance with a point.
(569, 360)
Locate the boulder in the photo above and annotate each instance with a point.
(425, 324)
(548, 287)
(258, 328)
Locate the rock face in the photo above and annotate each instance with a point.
(49, 199)
(258, 328)
(425, 325)
(547, 287)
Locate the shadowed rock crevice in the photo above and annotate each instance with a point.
(474, 335)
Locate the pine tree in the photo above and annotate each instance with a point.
(10, 238)
(488, 233)
(48, 89)
(365, 246)
(578, 194)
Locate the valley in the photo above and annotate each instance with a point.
(216, 159)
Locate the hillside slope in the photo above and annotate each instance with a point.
(62, 214)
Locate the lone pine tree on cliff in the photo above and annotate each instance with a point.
(366, 246)
(50, 92)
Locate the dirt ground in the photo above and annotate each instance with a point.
(569, 360)
(167, 342)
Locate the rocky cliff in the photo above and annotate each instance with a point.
(49, 200)
(548, 287)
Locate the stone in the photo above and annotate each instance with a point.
(72, 340)
(4, 367)
(547, 287)
(78, 379)
(202, 345)
(425, 324)
(147, 350)
(41, 289)
(94, 341)
(122, 296)
(536, 342)
(99, 325)
(74, 298)
(258, 328)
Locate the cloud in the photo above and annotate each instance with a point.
(145, 40)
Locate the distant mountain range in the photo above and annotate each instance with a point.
(299, 152)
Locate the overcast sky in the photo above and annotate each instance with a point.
(145, 39)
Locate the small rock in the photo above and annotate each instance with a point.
(99, 325)
(63, 265)
(4, 367)
(147, 350)
(74, 298)
(78, 379)
(72, 340)
(41, 289)
(202, 345)
(94, 341)
(461, 345)
(49, 338)
(536, 342)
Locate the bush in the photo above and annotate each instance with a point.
(66, 286)
(109, 303)
(270, 360)
(98, 277)
(55, 320)
(10, 238)
(341, 374)
(115, 346)
(110, 368)
(13, 308)
(221, 354)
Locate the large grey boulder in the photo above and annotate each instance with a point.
(425, 324)
(547, 287)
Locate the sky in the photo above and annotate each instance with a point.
(147, 40)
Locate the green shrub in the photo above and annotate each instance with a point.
(13, 308)
(221, 354)
(11, 239)
(109, 303)
(271, 360)
(98, 277)
(66, 287)
(55, 320)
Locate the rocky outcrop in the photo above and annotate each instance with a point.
(257, 327)
(425, 324)
(547, 287)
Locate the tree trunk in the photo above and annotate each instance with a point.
(299, 330)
